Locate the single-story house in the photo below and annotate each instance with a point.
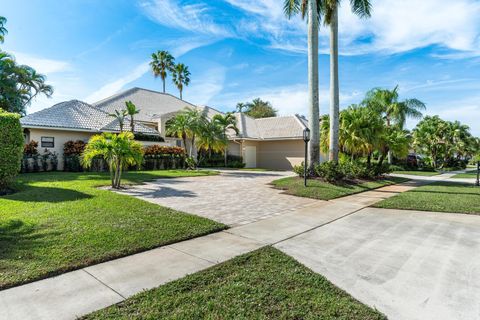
(274, 143)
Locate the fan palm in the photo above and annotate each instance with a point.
(181, 77)
(162, 63)
(226, 122)
(310, 9)
(131, 111)
(361, 8)
(120, 117)
(118, 150)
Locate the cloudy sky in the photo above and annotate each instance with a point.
(241, 49)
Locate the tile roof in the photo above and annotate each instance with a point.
(289, 127)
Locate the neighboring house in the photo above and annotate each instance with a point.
(274, 143)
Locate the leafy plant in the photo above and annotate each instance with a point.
(118, 150)
(73, 147)
(30, 148)
(330, 171)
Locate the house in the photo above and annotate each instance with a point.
(274, 143)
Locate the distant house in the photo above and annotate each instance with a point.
(274, 143)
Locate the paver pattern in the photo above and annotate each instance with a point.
(233, 197)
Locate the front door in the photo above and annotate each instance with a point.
(250, 156)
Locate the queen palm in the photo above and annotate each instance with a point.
(361, 8)
(395, 112)
(131, 111)
(226, 122)
(310, 9)
(196, 120)
(120, 117)
(162, 63)
(181, 77)
(211, 138)
(178, 126)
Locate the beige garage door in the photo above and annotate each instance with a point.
(250, 156)
(282, 155)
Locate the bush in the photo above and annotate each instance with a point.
(11, 144)
(299, 169)
(71, 148)
(329, 171)
(30, 149)
(158, 150)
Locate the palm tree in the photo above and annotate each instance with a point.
(240, 106)
(120, 117)
(3, 30)
(118, 150)
(131, 111)
(181, 77)
(395, 112)
(312, 10)
(178, 126)
(211, 138)
(162, 63)
(226, 122)
(196, 120)
(361, 8)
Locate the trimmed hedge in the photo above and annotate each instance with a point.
(11, 148)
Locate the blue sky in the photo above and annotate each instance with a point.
(241, 49)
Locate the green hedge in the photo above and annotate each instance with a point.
(11, 148)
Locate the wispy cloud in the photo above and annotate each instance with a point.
(41, 64)
(206, 86)
(194, 18)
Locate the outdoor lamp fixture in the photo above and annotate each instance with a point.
(477, 183)
(306, 138)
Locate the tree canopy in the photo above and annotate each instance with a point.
(257, 108)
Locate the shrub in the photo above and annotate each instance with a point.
(71, 148)
(299, 169)
(158, 150)
(329, 171)
(30, 149)
(11, 144)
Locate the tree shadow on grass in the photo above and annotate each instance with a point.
(46, 194)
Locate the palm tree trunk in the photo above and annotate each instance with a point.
(334, 88)
(181, 98)
(163, 85)
(225, 152)
(132, 124)
(313, 104)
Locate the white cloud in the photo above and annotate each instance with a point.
(42, 65)
(190, 17)
(466, 111)
(206, 86)
(395, 26)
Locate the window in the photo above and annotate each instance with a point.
(48, 142)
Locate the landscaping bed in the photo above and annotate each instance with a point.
(322, 190)
(264, 284)
(439, 196)
(58, 221)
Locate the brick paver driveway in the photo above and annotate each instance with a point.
(233, 197)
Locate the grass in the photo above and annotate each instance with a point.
(318, 189)
(470, 174)
(419, 173)
(264, 284)
(439, 197)
(61, 221)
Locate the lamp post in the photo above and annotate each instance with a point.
(306, 139)
(478, 174)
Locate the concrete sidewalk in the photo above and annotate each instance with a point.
(80, 292)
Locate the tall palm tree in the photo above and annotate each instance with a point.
(178, 126)
(120, 117)
(395, 113)
(3, 30)
(181, 77)
(131, 111)
(226, 122)
(162, 63)
(240, 106)
(361, 8)
(196, 120)
(310, 9)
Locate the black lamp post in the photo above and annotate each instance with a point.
(306, 138)
(478, 174)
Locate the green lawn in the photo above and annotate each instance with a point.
(418, 173)
(470, 174)
(60, 221)
(264, 284)
(438, 196)
(321, 190)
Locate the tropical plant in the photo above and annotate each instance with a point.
(311, 10)
(181, 77)
(19, 84)
(260, 109)
(395, 112)
(3, 30)
(11, 146)
(131, 111)
(162, 63)
(211, 138)
(178, 127)
(196, 123)
(118, 150)
(226, 122)
(361, 8)
(240, 107)
(120, 117)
